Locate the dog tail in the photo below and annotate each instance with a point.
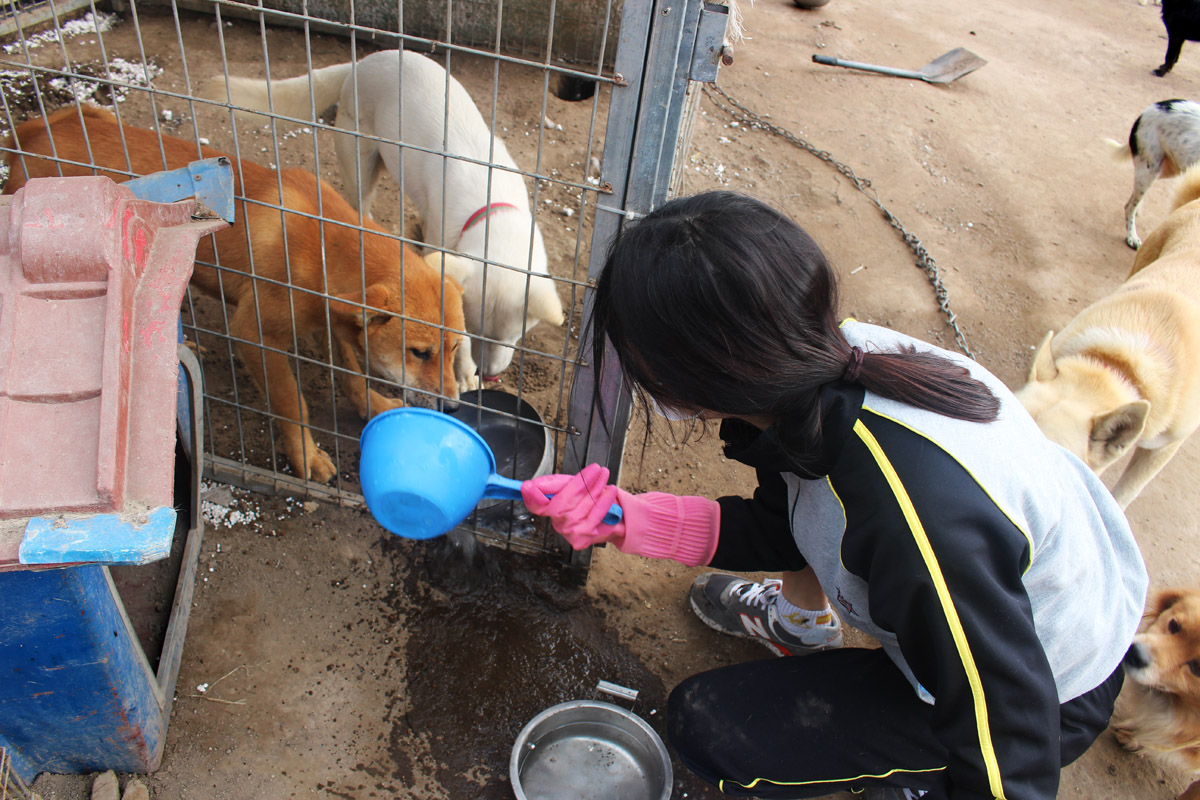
(1120, 151)
(1189, 187)
(302, 97)
(544, 303)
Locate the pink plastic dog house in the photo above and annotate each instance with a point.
(91, 279)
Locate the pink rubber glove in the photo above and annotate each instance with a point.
(654, 524)
(575, 504)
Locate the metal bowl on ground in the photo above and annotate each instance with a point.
(589, 750)
(514, 431)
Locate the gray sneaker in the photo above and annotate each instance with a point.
(739, 607)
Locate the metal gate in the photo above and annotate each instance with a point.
(593, 100)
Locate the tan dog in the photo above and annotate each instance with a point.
(1126, 371)
(1160, 707)
(416, 354)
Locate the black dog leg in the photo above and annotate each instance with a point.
(1174, 47)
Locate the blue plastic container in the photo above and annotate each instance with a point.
(423, 472)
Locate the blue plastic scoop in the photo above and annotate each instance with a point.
(423, 472)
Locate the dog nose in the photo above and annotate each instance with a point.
(1135, 657)
(447, 405)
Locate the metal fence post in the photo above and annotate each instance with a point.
(664, 45)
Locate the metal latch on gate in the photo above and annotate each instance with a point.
(710, 43)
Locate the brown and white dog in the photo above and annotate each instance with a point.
(1164, 141)
(1125, 373)
(322, 253)
(1159, 711)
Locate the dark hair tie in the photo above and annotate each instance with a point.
(854, 366)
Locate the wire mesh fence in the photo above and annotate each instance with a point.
(417, 192)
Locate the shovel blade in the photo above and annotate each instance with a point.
(951, 66)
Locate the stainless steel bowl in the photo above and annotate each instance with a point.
(589, 750)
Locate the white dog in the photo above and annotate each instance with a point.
(473, 203)
(1164, 142)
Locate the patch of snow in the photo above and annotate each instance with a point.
(88, 23)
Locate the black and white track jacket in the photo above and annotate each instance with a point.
(995, 569)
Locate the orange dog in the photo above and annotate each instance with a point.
(1161, 712)
(322, 256)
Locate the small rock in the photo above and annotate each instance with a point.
(105, 787)
(221, 495)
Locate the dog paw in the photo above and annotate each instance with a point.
(320, 466)
(381, 404)
(1134, 242)
(468, 384)
(1125, 737)
(1160, 71)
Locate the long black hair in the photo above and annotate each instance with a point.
(719, 302)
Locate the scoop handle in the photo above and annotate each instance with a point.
(841, 62)
(502, 488)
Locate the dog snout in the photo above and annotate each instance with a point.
(1136, 657)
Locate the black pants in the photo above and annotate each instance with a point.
(809, 726)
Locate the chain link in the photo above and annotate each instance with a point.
(748, 118)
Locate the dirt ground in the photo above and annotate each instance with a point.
(339, 661)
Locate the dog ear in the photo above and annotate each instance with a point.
(376, 297)
(452, 302)
(454, 289)
(1164, 599)
(434, 259)
(1117, 430)
(1043, 368)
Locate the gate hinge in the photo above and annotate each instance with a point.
(710, 50)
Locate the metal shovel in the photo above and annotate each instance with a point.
(943, 69)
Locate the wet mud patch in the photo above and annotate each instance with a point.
(487, 654)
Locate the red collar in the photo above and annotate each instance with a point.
(484, 213)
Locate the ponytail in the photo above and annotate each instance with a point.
(718, 302)
(930, 382)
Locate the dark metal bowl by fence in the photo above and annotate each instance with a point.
(518, 438)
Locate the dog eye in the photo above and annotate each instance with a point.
(1194, 666)
(1173, 627)
(426, 354)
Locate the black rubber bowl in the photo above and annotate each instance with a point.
(513, 429)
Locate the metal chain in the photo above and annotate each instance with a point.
(748, 118)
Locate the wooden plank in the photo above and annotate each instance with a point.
(181, 608)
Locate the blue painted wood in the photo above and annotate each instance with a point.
(210, 181)
(99, 538)
(77, 694)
